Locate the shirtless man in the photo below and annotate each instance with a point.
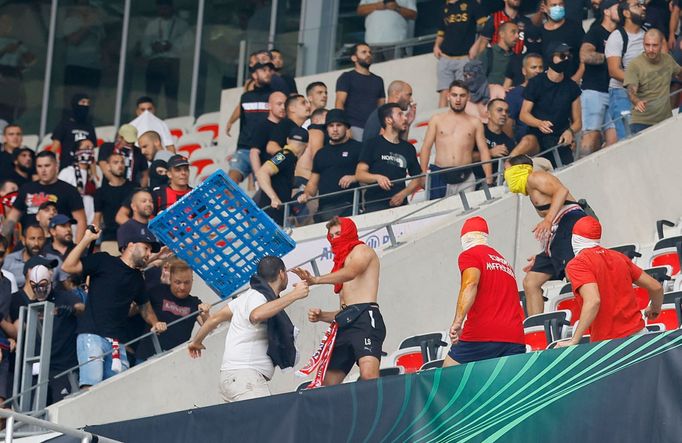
(455, 134)
(355, 277)
(559, 211)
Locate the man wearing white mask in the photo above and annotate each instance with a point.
(602, 282)
(488, 299)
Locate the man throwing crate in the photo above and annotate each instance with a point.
(361, 330)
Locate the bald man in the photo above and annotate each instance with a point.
(259, 141)
(152, 148)
(647, 79)
(399, 92)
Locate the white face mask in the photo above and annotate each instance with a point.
(579, 243)
(474, 238)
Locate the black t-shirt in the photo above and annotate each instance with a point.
(169, 308)
(495, 20)
(458, 26)
(6, 163)
(364, 92)
(657, 16)
(572, 34)
(552, 101)
(63, 351)
(394, 161)
(283, 181)
(596, 77)
(253, 110)
(16, 178)
(261, 137)
(113, 287)
(108, 200)
(290, 83)
(281, 131)
(493, 140)
(135, 161)
(69, 132)
(33, 194)
(333, 162)
(372, 126)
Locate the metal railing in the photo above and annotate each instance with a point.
(15, 420)
(313, 261)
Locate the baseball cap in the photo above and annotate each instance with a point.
(46, 204)
(298, 134)
(556, 48)
(61, 219)
(136, 232)
(336, 116)
(40, 260)
(606, 4)
(177, 161)
(128, 132)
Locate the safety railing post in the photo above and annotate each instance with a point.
(557, 157)
(500, 172)
(285, 222)
(316, 269)
(427, 186)
(356, 201)
(391, 236)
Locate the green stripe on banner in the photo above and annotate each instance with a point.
(432, 395)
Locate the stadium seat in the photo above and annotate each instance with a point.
(410, 359)
(31, 141)
(667, 252)
(655, 327)
(552, 324)
(522, 298)
(189, 143)
(206, 172)
(566, 301)
(209, 122)
(416, 136)
(105, 134)
(631, 250)
(671, 311)
(180, 126)
(584, 340)
(300, 388)
(661, 274)
(535, 338)
(45, 143)
(433, 364)
(431, 344)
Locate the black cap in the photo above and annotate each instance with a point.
(556, 48)
(135, 232)
(298, 134)
(61, 219)
(336, 116)
(18, 151)
(44, 205)
(606, 4)
(261, 66)
(177, 161)
(40, 260)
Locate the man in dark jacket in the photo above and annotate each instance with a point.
(261, 335)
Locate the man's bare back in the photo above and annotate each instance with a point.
(454, 135)
(541, 189)
(365, 286)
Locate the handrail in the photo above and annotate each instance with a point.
(312, 261)
(13, 417)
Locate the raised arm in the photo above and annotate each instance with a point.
(655, 290)
(264, 176)
(274, 307)
(485, 152)
(72, 263)
(196, 345)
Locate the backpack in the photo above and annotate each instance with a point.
(626, 39)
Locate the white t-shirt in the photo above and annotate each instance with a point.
(614, 48)
(149, 122)
(386, 26)
(246, 344)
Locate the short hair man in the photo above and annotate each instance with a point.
(647, 79)
(12, 139)
(455, 135)
(23, 160)
(359, 91)
(46, 211)
(497, 58)
(532, 65)
(257, 322)
(146, 120)
(172, 302)
(361, 328)
(61, 236)
(48, 187)
(259, 142)
(559, 211)
(34, 242)
(316, 93)
(334, 169)
(387, 158)
(399, 92)
(498, 142)
(278, 62)
(602, 282)
(488, 300)
(142, 207)
(115, 283)
(276, 177)
(151, 147)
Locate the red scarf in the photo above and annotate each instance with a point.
(342, 245)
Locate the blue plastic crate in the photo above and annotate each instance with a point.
(221, 233)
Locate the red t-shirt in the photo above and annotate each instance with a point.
(614, 273)
(495, 315)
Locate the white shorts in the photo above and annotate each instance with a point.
(243, 384)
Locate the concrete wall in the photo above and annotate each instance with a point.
(630, 186)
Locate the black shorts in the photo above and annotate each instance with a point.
(362, 338)
(560, 248)
(468, 351)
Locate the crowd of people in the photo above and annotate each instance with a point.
(512, 85)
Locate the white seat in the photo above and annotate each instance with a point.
(45, 142)
(31, 141)
(106, 133)
(208, 118)
(180, 126)
(200, 138)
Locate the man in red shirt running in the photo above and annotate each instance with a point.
(489, 300)
(602, 283)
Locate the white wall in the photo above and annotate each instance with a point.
(630, 186)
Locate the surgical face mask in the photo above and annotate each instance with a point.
(557, 13)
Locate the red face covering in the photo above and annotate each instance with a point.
(343, 244)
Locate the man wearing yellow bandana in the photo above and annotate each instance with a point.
(559, 211)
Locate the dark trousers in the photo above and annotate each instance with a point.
(164, 73)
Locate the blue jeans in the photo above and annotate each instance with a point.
(89, 348)
(618, 103)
